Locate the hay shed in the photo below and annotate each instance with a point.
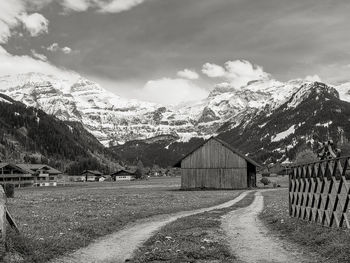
(217, 165)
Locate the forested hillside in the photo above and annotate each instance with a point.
(29, 134)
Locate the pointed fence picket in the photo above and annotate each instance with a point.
(319, 192)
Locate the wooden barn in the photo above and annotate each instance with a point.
(44, 175)
(217, 165)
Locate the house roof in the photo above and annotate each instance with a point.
(32, 168)
(227, 145)
(131, 172)
(92, 172)
(15, 166)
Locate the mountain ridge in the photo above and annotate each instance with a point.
(117, 121)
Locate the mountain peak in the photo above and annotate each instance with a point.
(112, 118)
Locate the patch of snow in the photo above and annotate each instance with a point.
(262, 125)
(284, 134)
(326, 124)
(6, 101)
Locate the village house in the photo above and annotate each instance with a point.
(124, 175)
(44, 175)
(91, 175)
(12, 174)
(217, 165)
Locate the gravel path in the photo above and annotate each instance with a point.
(120, 246)
(250, 241)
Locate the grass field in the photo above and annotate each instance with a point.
(197, 238)
(57, 220)
(332, 245)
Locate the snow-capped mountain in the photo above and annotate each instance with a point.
(111, 118)
(313, 114)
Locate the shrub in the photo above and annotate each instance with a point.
(265, 175)
(9, 190)
(265, 181)
(306, 156)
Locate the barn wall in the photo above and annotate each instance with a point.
(216, 178)
(213, 155)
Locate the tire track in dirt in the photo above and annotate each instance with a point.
(250, 241)
(120, 246)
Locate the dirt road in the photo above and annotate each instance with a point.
(250, 241)
(119, 246)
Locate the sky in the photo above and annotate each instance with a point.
(169, 51)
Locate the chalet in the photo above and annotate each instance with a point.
(124, 175)
(12, 174)
(91, 175)
(217, 165)
(44, 175)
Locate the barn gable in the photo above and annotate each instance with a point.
(218, 145)
(213, 154)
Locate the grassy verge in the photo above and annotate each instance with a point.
(197, 238)
(57, 220)
(333, 245)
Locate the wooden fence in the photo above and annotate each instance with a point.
(319, 192)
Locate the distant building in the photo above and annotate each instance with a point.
(91, 175)
(44, 175)
(217, 165)
(76, 178)
(12, 174)
(124, 175)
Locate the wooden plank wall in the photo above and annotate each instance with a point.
(213, 166)
(214, 178)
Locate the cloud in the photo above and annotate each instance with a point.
(76, 5)
(66, 50)
(11, 64)
(38, 56)
(237, 73)
(35, 23)
(9, 13)
(117, 6)
(103, 6)
(169, 91)
(213, 70)
(15, 12)
(54, 47)
(313, 78)
(188, 74)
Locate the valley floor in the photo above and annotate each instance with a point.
(54, 221)
(152, 221)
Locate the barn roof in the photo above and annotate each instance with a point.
(227, 145)
(14, 166)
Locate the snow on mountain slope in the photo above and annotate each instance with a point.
(344, 91)
(114, 119)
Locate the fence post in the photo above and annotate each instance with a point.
(2, 220)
